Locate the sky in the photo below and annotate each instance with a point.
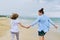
(29, 8)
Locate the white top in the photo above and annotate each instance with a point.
(14, 26)
(43, 23)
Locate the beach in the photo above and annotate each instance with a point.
(26, 34)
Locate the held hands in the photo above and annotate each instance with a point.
(28, 27)
(24, 26)
(56, 26)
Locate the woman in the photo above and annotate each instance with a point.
(43, 24)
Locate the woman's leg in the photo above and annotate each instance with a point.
(17, 35)
(41, 35)
(41, 38)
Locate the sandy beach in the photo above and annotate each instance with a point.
(25, 34)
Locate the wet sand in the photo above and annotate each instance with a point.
(25, 34)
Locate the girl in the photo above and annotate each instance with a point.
(14, 26)
(43, 24)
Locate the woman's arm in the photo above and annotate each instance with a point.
(50, 21)
(35, 22)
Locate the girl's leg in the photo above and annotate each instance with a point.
(17, 35)
(12, 34)
(41, 38)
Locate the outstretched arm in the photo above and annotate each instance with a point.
(22, 25)
(52, 23)
(35, 22)
(28, 26)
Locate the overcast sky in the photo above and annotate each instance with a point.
(30, 7)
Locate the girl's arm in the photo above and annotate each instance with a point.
(22, 25)
(52, 23)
